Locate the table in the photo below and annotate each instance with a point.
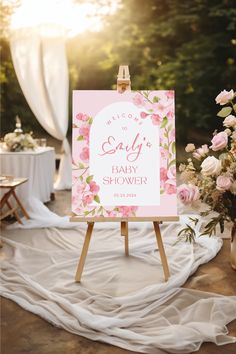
(11, 194)
(37, 166)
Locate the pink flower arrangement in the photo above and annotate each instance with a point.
(210, 174)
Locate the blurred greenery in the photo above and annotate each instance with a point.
(188, 46)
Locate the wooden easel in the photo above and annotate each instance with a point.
(123, 84)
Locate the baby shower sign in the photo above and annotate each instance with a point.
(124, 154)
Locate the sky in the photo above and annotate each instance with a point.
(75, 17)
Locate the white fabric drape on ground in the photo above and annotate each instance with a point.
(40, 63)
(121, 300)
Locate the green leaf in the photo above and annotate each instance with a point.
(173, 162)
(173, 147)
(81, 178)
(90, 121)
(234, 106)
(156, 99)
(164, 122)
(97, 199)
(224, 112)
(86, 213)
(81, 166)
(80, 137)
(89, 179)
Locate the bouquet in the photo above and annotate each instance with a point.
(19, 142)
(209, 175)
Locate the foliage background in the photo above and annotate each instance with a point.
(188, 46)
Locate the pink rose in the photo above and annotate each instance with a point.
(84, 155)
(219, 141)
(138, 100)
(170, 94)
(223, 183)
(170, 115)
(230, 121)
(84, 130)
(163, 174)
(224, 97)
(188, 193)
(81, 116)
(94, 188)
(171, 174)
(143, 115)
(156, 119)
(201, 152)
(87, 199)
(170, 186)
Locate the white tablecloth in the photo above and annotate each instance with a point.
(38, 166)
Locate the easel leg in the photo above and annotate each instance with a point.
(84, 251)
(125, 233)
(161, 250)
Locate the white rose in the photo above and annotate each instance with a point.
(224, 97)
(229, 121)
(190, 148)
(211, 166)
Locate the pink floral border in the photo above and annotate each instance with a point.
(155, 105)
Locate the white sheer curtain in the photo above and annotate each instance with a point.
(40, 62)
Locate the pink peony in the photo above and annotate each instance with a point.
(224, 97)
(219, 141)
(94, 188)
(87, 198)
(230, 121)
(188, 193)
(223, 183)
(156, 119)
(139, 100)
(81, 116)
(144, 115)
(84, 155)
